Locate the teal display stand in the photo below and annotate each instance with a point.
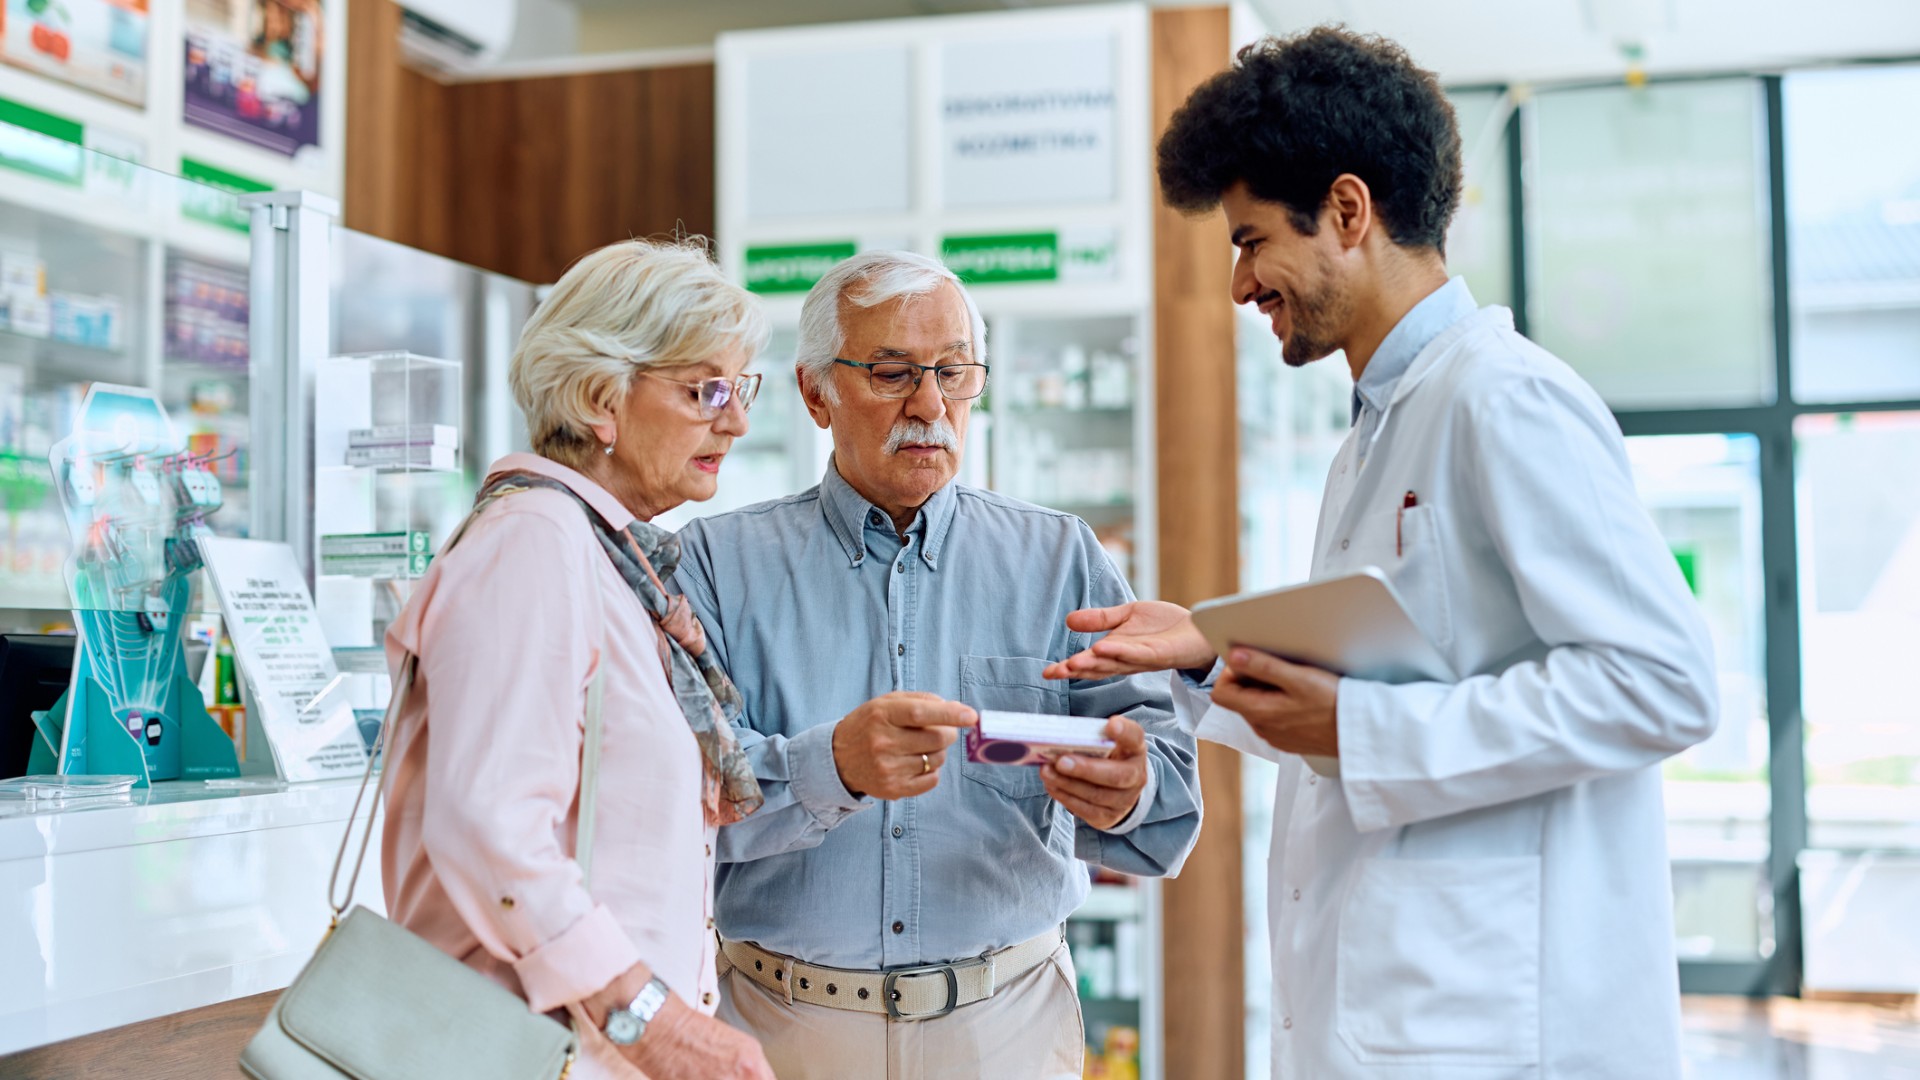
(136, 503)
(102, 744)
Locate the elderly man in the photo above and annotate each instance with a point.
(893, 910)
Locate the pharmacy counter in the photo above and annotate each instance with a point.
(162, 901)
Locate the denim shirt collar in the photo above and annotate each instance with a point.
(1416, 329)
(852, 518)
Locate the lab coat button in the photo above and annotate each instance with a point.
(1296, 894)
(1312, 780)
(1287, 1023)
(1343, 545)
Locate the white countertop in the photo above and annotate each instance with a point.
(119, 910)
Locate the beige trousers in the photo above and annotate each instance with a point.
(1029, 1030)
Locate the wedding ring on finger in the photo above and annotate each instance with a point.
(926, 764)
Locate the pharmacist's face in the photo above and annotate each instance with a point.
(898, 451)
(666, 453)
(1290, 276)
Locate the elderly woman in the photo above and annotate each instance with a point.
(630, 376)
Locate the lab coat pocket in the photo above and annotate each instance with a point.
(1418, 570)
(1439, 962)
(1008, 684)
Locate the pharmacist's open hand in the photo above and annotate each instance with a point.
(893, 746)
(1146, 635)
(1102, 791)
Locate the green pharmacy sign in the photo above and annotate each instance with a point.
(793, 268)
(988, 260)
(41, 144)
(211, 196)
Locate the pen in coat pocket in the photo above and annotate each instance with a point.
(1406, 504)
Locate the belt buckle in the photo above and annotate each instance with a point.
(953, 987)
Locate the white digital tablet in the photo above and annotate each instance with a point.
(1351, 625)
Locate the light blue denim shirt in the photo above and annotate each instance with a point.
(1441, 308)
(814, 606)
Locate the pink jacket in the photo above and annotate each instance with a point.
(477, 852)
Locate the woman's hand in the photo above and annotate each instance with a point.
(1146, 635)
(681, 1044)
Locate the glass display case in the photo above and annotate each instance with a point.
(388, 490)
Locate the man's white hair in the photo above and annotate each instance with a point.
(869, 279)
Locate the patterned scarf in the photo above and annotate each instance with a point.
(644, 554)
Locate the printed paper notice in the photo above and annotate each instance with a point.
(285, 659)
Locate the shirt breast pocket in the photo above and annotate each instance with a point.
(1008, 684)
(1410, 545)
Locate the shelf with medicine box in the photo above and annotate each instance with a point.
(387, 488)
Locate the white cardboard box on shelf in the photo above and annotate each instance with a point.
(405, 435)
(414, 455)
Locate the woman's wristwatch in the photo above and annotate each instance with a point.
(625, 1026)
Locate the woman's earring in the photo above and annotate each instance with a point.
(609, 449)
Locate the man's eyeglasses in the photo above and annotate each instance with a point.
(712, 396)
(898, 379)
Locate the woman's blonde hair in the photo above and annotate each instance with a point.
(629, 306)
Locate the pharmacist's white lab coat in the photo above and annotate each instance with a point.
(1484, 891)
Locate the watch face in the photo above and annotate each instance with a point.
(622, 1027)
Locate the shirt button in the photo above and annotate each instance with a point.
(900, 567)
(898, 832)
(1287, 1024)
(899, 927)
(877, 519)
(709, 924)
(1296, 894)
(902, 650)
(709, 851)
(1312, 780)
(706, 998)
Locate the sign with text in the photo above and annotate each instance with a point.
(285, 659)
(1029, 122)
(794, 267)
(1067, 255)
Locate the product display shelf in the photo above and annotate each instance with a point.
(388, 487)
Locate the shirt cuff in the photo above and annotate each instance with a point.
(1202, 679)
(1140, 809)
(1359, 755)
(816, 779)
(579, 963)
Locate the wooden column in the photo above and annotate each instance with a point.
(1199, 459)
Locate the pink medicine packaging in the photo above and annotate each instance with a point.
(1010, 738)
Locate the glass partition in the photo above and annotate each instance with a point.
(1703, 492)
(1859, 625)
(115, 274)
(1648, 241)
(1853, 203)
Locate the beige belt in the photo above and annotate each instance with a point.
(916, 993)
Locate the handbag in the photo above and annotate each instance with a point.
(377, 1002)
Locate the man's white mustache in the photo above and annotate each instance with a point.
(914, 433)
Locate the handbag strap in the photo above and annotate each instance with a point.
(402, 685)
(589, 788)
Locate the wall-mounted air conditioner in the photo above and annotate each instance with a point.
(455, 37)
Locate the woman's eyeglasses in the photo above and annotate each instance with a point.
(712, 396)
(898, 379)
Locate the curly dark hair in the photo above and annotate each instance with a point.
(1294, 113)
